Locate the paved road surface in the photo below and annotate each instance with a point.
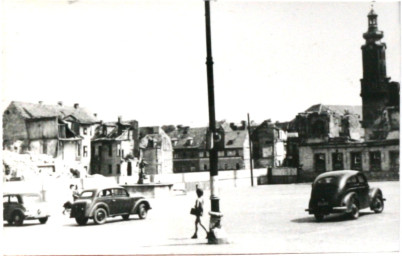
(263, 219)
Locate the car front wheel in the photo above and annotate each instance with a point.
(100, 216)
(18, 218)
(142, 211)
(378, 205)
(43, 220)
(81, 221)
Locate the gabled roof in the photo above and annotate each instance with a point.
(35, 110)
(235, 139)
(182, 136)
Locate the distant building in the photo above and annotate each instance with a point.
(115, 148)
(156, 149)
(191, 153)
(60, 131)
(269, 145)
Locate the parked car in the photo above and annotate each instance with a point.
(98, 204)
(24, 206)
(343, 192)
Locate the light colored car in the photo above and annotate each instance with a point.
(18, 207)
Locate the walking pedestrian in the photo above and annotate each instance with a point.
(199, 208)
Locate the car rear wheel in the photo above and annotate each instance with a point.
(319, 216)
(81, 221)
(126, 216)
(18, 218)
(100, 216)
(354, 209)
(43, 220)
(378, 205)
(142, 211)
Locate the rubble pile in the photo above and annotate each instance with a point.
(27, 166)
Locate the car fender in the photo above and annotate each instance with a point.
(103, 205)
(347, 199)
(137, 203)
(373, 192)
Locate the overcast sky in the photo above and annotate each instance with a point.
(145, 60)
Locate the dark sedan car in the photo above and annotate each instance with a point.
(98, 204)
(343, 191)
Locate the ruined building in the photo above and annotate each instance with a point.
(335, 137)
(115, 148)
(62, 132)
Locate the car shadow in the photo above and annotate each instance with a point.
(108, 221)
(336, 217)
(23, 225)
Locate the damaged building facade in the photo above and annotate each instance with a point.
(156, 150)
(115, 148)
(62, 132)
(269, 145)
(343, 137)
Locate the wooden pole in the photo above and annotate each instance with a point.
(250, 150)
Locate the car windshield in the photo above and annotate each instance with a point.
(87, 194)
(327, 180)
(31, 199)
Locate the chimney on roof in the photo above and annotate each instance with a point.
(76, 105)
(40, 102)
(243, 125)
(119, 119)
(60, 103)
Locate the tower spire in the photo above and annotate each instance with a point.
(373, 34)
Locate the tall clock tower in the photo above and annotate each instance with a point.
(377, 91)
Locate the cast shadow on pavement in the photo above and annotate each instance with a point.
(329, 218)
(23, 225)
(109, 221)
(182, 242)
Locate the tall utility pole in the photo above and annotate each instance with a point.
(216, 234)
(251, 150)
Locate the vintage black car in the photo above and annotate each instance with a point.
(343, 192)
(18, 207)
(98, 204)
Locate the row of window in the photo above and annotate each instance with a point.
(356, 161)
(202, 154)
(205, 167)
(119, 151)
(117, 169)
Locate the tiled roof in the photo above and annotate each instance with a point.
(183, 135)
(235, 139)
(36, 110)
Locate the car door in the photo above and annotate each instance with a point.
(363, 191)
(6, 208)
(106, 197)
(121, 200)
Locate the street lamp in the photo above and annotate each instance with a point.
(216, 234)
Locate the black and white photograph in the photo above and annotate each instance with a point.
(200, 127)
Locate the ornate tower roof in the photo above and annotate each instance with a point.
(372, 34)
